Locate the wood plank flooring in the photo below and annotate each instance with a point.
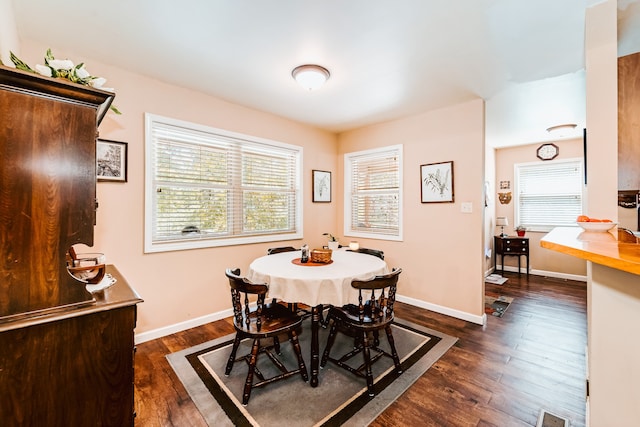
(500, 374)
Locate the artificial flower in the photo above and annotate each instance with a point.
(65, 69)
(59, 64)
(43, 70)
(83, 73)
(98, 82)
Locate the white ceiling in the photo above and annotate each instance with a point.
(387, 58)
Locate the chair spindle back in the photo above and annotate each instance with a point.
(379, 305)
(241, 288)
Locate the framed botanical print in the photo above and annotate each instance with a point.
(436, 182)
(111, 160)
(321, 186)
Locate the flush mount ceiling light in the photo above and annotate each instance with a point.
(561, 130)
(310, 76)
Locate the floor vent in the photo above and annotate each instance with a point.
(547, 419)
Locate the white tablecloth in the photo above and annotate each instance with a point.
(313, 285)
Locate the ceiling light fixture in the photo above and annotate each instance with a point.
(561, 130)
(310, 76)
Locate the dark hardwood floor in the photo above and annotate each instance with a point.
(500, 374)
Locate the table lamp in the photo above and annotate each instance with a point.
(502, 221)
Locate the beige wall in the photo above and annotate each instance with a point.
(183, 285)
(541, 260)
(442, 251)
(8, 33)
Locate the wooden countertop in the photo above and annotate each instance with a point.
(601, 248)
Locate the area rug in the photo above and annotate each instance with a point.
(340, 398)
(495, 279)
(495, 304)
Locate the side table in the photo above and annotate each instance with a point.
(510, 245)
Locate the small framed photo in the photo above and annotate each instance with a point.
(436, 182)
(321, 186)
(111, 160)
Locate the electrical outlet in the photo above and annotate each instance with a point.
(466, 207)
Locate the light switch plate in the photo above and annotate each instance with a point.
(466, 207)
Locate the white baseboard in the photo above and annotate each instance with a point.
(480, 320)
(199, 321)
(182, 326)
(555, 274)
(559, 275)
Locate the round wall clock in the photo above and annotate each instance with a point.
(547, 151)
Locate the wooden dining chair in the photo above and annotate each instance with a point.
(277, 250)
(373, 313)
(626, 236)
(374, 252)
(262, 322)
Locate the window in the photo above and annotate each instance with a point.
(548, 194)
(209, 187)
(373, 193)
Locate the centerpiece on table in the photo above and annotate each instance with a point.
(333, 243)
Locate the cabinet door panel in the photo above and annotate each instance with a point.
(72, 372)
(47, 197)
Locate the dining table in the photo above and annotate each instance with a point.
(315, 284)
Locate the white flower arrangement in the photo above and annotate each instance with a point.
(64, 69)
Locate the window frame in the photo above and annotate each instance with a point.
(186, 243)
(382, 151)
(517, 193)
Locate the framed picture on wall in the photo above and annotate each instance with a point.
(321, 186)
(436, 182)
(111, 160)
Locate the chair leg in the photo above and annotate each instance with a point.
(293, 337)
(232, 357)
(357, 341)
(252, 366)
(332, 337)
(367, 363)
(276, 345)
(394, 353)
(322, 321)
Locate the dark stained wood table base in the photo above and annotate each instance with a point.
(315, 345)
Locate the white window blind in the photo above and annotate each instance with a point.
(373, 193)
(208, 187)
(548, 194)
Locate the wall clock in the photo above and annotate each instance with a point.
(547, 151)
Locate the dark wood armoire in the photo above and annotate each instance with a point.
(66, 355)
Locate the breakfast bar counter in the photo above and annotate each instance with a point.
(599, 247)
(613, 319)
